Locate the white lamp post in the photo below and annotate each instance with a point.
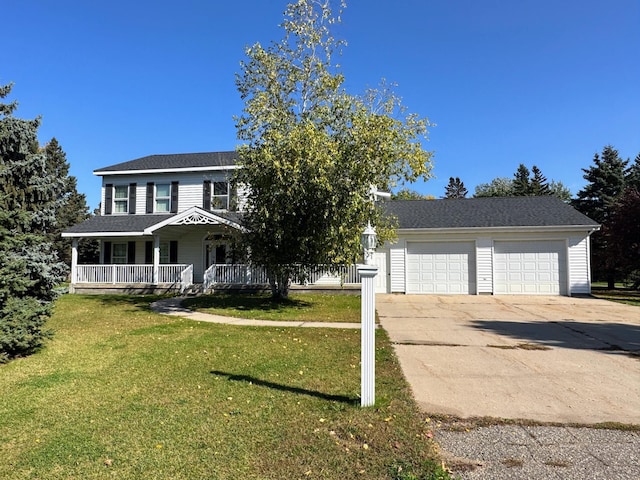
(368, 273)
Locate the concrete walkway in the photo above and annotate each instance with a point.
(173, 306)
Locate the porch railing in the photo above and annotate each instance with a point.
(123, 273)
(240, 274)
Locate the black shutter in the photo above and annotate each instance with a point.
(132, 198)
(108, 198)
(148, 252)
(174, 197)
(173, 251)
(149, 197)
(131, 252)
(106, 252)
(206, 195)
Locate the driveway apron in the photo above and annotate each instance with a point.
(547, 359)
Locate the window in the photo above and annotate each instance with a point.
(220, 196)
(119, 252)
(164, 252)
(121, 199)
(163, 199)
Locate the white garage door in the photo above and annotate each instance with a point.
(441, 267)
(530, 268)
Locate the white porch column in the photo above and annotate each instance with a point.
(156, 258)
(368, 335)
(74, 261)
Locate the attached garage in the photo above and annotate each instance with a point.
(441, 267)
(530, 267)
(494, 246)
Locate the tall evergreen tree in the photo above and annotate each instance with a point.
(632, 175)
(29, 267)
(538, 185)
(455, 188)
(521, 183)
(623, 233)
(606, 182)
(73, 210)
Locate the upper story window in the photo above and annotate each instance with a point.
(220, 196)
(121, 199)
(163, 198)
(216, 195)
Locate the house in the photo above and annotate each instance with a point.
(166, 222)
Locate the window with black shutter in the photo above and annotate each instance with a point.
(206, 195)
(132, 198)
(174, 197)
(149, 208)
(108, 198)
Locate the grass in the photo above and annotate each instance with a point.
(298, 307)
(630, 297)
(122, 392)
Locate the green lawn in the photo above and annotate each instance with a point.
(122, 392)
(298, 307)
(630, 297)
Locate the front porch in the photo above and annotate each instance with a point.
(178, 278)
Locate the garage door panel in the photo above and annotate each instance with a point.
(535, 267)
(441, 267)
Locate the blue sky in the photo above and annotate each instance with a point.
(545, 82)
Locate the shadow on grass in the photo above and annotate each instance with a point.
(135, 302)
(286, 388)
(244, 302)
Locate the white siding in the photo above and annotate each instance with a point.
(189, 187)
(484, 265)
(397, 267)
(579, 265)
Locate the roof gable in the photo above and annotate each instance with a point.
(177, 161)
(486, 212)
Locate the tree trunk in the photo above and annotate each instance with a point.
(280, 283)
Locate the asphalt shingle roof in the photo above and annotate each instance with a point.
(131, 223)
(486, 212)
(177, 160)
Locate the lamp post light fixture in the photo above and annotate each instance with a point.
(368, 273)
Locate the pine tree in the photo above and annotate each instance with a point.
(632, 174)
(521, 183)
(455, 189)
(606, 179)
(29, 268)
(73, 210)
(538, 185)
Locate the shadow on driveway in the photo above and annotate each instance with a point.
(606, 337)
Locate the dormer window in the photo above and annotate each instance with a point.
(220, 196)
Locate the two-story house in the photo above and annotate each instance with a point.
(165, 222)
(161, 217)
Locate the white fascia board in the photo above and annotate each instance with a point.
(166, 170)
(103, 234)
(554, 229)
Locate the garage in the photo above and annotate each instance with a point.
(441, 267)
(530, 267)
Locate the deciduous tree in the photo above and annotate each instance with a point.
(312, 151)
(29, 267)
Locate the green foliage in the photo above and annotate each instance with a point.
(72, 211)
(455, 188)
(606, 182)
(29, 267)
(408, 194)
(312, 151)
(498, 187)
(622, 231)
(523, 184)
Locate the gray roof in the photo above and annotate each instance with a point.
(486, 212)
(175, 160)
(131, 223)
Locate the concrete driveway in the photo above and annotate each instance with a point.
(550, 359)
